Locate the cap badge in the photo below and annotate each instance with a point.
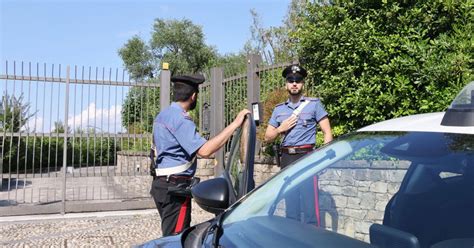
(295, 68)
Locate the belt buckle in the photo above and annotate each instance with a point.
(291, 150)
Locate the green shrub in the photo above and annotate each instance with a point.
(376, 60)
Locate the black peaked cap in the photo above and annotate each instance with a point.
(294, 70)
(194, 80)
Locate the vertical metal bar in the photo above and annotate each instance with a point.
(66, 106)
(36, 118)
(165, 87)
(217, 110)
(123, 97)
(20, 98)
(4, 121)
(95, 123)
(101, 120)
(43, 131)
(73, 131)
(107, 133)
(12, 130)
(80, 124)
(56, 162)
(27, 135)
(51, 122)
(108, 123)
(115, 121)
(253, 81)
(87, 124)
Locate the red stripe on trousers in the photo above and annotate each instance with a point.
(181, 216)
(316, 199)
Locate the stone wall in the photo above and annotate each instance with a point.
(353, 194)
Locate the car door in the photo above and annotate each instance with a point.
(239, 163)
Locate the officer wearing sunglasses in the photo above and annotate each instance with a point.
(296, 120)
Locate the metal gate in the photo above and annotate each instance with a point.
(74, 139)
(77, 139)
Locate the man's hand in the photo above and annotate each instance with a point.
(219, 140)
(287, 124)
(272, 132)
(240, 117)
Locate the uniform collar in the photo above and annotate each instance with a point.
(177, 106)
(303, 98)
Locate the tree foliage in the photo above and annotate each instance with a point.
(375, 60)
(140, 108)
(181, 43)
(138, 59)
(275, 43)
(177, 42)
(14, 114)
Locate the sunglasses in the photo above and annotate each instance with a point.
(294, 80)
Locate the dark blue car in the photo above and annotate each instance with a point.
(406, 182)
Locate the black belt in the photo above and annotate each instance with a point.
(175, 179)
(297, 149)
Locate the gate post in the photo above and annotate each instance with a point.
(165, 86)
(253, 86)
(66, 113)
(253, 79)
(217, 113)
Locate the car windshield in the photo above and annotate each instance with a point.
(352, 183)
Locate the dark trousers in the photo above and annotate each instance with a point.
(175, 211)
(302, 204)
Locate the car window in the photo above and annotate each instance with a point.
(366, 178)
(237, 161)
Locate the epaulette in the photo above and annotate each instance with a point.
(186, 116)
(313, 99)
(280, 104)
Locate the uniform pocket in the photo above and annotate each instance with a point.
(306, 120)
(159, 191)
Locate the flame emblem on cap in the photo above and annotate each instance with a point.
(295, 68)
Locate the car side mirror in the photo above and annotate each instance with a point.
(388, 237)
(212, 195)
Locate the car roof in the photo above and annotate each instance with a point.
(430, 122)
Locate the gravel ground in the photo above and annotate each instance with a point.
(114, 229)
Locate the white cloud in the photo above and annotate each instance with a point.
(107, 120)
(34, 124)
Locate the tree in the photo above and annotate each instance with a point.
(181, 43)
(14, 114)
(375, 60)
(60, 128)
(275, 44)
(137, 58)
(177, 42)
(139, 109)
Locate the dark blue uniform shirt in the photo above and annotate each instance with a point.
(304, 132)
(176, 138)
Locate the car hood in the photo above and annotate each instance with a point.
(165, 242)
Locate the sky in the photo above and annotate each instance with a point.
(89, 33)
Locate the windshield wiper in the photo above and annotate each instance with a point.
(330, 154)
